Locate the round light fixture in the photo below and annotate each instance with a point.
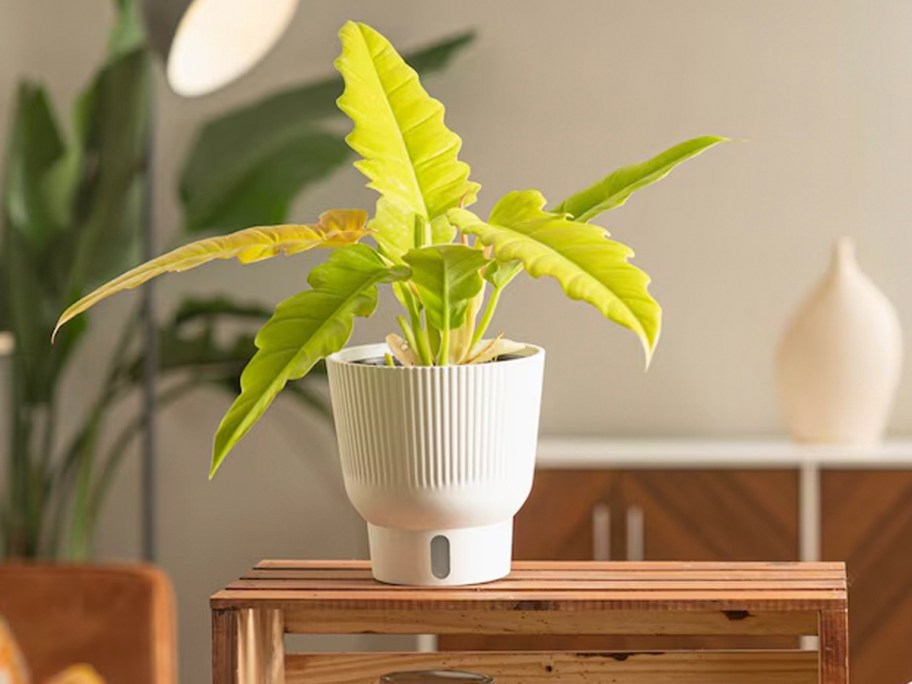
(208, 44)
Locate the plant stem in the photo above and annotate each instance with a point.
(83, 441)
(407, 332)
(443, 354)
(423, 345)
(486, 316)
(118, 449)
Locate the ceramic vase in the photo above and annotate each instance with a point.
(839, 362)
(437, 460)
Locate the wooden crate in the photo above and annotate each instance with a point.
(251, 616)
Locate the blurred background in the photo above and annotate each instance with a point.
(551, 96)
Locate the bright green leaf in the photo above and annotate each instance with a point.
(613, 190)
(442, 231)
(447, 278)
(408, 154)
(588, 265)
(500, 273)
(304, 329)
(248, 164)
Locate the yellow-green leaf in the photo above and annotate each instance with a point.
(334, 229)
(408, 154)
(588, 265)
(446, 279)
(304, 329)
(614, 190)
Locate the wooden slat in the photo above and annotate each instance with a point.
(224, 647)
(788, 667)
(564, 575)
(588, 566)
(299, 620)
(834, 647)
(455, 599)
(261, 646)
(510, 585)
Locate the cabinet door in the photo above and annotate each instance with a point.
(712, 515)
(568, 516)
(651, 515)
(867, 521)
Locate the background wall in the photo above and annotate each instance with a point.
(553, 95)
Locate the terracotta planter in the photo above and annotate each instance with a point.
(437, 460)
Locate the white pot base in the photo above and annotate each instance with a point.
(469, 555)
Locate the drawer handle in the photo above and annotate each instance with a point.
(601, 532)
(636, 534)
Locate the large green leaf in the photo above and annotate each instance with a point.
(35, 145)
(447, 278)
(408, 154)
(335, 228)
(32, 282)
(128, 32)
(304, 329)
(195, 309)
(247, 165)
(112, 125)
(588, 265)
(265, 192)
(613, 190)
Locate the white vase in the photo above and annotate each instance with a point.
(437, 460)
(839, 361)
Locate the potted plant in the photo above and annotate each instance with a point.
(437, 426)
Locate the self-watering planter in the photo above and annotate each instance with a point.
(438, 454)
(437, 460)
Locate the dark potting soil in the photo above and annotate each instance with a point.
(381, 361)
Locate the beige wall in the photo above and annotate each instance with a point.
(552, 96)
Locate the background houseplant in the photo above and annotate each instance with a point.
(437, 255)
(72, 207)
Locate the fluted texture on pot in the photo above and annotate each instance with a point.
(436, 447)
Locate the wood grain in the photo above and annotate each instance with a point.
(794, 667)
(517, 621)
(225, 647)
(834, 647)
(261, 646)
(867, 520)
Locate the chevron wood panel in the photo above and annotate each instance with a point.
(738, 515)
(867, 521)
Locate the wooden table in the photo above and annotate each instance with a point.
(251, 616)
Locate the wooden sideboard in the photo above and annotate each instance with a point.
(735, 501)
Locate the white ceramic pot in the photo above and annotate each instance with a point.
(437, 460)
(839, 361)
